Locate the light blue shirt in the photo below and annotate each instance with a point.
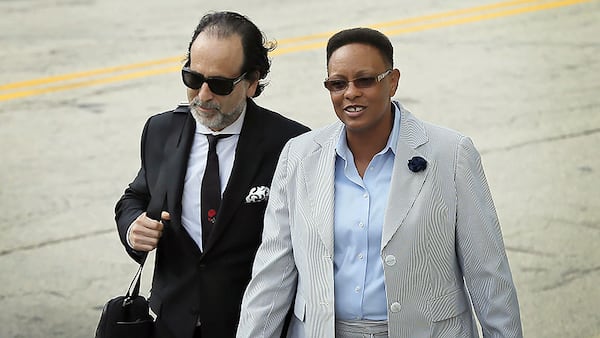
(360, 205)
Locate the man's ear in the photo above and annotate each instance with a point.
(252, 78)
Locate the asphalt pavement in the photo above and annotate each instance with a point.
(79, 78)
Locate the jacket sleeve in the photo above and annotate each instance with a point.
(480, 248)
(269, 295)
(134, 202)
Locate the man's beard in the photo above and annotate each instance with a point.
(219, 120)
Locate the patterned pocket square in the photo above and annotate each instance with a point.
(258, 194)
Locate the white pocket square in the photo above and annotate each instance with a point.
(258, 194)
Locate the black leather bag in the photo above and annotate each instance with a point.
(127, 316)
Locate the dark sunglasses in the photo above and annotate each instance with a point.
(218, 85)
(338, 85)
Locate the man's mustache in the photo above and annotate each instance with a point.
(204, 105)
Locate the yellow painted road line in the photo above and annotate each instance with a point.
(419, 19)
(486, 16)
(87, 83)
(65, 77)
(417, 24)
(286, 46)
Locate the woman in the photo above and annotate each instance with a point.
(381, 224)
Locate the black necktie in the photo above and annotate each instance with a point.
(210, 192)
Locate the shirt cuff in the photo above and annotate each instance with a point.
(127, 236)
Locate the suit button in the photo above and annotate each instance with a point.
(390, 260)
(395, 307)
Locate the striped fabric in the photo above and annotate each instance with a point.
(442, 248)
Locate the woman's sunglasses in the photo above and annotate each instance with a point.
(218, 85)
(338, 85)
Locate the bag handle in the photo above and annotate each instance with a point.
(131, 294)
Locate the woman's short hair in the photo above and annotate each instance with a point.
(365, 36)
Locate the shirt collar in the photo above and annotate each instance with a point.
(343, 151)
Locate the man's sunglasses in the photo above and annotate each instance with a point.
(338, 85)
(218, 85)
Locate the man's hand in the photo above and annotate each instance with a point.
(144, 232)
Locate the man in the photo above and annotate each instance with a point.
(205, 252)
(379, 225)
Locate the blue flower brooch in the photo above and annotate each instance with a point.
(417, 164)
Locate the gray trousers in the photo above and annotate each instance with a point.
(361, 329)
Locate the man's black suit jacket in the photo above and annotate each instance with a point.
(189, 284)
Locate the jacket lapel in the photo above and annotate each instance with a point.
(406, 185)
(174, 166)
(177, 155)
(319, 170)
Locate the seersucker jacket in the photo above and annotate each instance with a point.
(442, 248)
